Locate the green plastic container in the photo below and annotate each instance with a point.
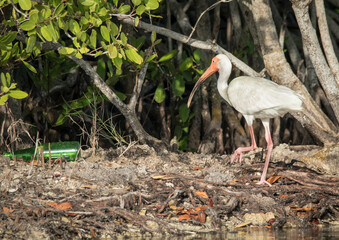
(69, 150)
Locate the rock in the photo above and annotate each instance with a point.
(325, 160)
(259, 219)
(219, 176)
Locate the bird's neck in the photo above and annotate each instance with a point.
(222, 84)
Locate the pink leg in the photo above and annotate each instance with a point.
(269, 151)
(240, 150)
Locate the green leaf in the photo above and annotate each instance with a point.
(152, 4)
(133, 56)
(78, 55)
(138, 42)
(114, 30)
(30, 67)
(3, 99)
(13, 86)
(17, 94)
(25, 4)
(30, 43)
(87, 3)
(46, 34)
(34, 15)
(59, 9)
(197, 55)
(8, 38)
(140, 10)
(124, 9)
(184, 112)
(168, 56)
(120, 95)
(8, 76)
(136, 21)
(3, 80)
(178, 85)
(151, 58)
(112, 51)
(102, 12)
(76, 43)
(74, 26)
(27, 26)
(159, 95)
(123, 39)
(105, 33)
(136, 2)
(117, 62)
(4, 89)
(153, 36)
(61, 120)
(186, 64)
(67, 51)
(93, 39)
(101, 68)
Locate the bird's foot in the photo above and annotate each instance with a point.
(237, 156)
(263, 181)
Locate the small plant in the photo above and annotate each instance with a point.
(8, 89)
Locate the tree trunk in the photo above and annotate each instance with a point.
(312, 117)
(309, 36)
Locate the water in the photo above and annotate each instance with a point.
(261, 233)
(318, 233)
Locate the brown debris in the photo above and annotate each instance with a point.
(146, 193)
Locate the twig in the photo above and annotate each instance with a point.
(140, 80)
(128, 147)
(208, 9)
(16, 9)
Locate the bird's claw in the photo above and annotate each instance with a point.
(237, 156)
(264, 182)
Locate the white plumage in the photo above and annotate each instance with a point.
(253, 97)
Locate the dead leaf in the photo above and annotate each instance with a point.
(89, 187)
(61, 206)
(201, 194)
(172, 206)
(283, 196)
(198, 168)
(165, 177)
(64, 206)
(304, 209)
(184, 217)
(7, 209)
(273, 179)
(211, 204)
(201, 217)
(159, 177)
(234, 181)
(200, 209)
(52, 204)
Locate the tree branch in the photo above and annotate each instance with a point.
(128, 113)
(206, 45)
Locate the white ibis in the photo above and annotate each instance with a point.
(253, 97)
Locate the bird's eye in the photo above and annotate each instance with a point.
(213, 61)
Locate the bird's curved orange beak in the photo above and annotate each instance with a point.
(210, 70)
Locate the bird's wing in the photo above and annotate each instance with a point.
(262, 98)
